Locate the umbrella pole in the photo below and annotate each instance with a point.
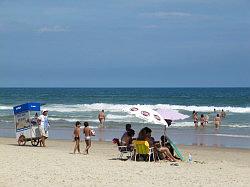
(165, 134)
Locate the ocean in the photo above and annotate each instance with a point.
(68, 105)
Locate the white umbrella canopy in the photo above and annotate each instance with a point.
(171, 114)
(146, 114)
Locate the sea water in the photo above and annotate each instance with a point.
(68, 105)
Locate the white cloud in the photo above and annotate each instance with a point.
(55, 28)
(163, 15)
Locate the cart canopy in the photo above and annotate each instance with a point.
(26, 107)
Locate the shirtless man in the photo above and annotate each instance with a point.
(87, 133)
(77, 137)
(217, 121)
(101, 118)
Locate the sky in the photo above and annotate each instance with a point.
(125, 43)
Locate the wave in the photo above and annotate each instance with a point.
(2, 107)
(95, 107)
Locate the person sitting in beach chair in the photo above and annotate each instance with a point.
(128, 128)
(124, 146)
(144, 145)
(127, 139)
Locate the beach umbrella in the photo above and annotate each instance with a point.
(147, 114)
(171, 114)
(154, 117)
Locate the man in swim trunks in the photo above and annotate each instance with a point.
(217, 121)
(77, 137)
(101, 118)
(87, 133)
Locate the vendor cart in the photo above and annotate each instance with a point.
(25, 118)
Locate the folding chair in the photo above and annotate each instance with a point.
(142, 148)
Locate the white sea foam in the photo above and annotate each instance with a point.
(3, 107)
(95, 107)
(121, 107)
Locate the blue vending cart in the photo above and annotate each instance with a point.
(25, 118)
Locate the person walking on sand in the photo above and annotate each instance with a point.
(77, 137)
(217, 121)
(43, 125)
(87, 133)
(101, 117)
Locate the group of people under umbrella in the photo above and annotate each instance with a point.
(162, 149)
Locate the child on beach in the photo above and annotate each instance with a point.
(88, 133)
(77, 137)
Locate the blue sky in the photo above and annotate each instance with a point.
(117, 43)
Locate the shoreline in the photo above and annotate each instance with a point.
(109, 141)
(197, 137)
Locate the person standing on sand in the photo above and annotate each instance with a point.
(101, 117)
(43, 125)
(217, 121)
(88, 134)
(77, 137)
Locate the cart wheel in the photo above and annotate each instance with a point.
(21, 140)
(35, 142)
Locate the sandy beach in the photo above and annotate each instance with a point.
(55, 165)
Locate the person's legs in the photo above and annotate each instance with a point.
(195, 124)
(78, 146)
(88, 145)
(43, 141)
(166, 151)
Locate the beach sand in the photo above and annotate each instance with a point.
(55, 165)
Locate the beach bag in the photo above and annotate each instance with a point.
(92, 132)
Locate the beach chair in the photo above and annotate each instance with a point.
(142, 148)
(122, 149)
